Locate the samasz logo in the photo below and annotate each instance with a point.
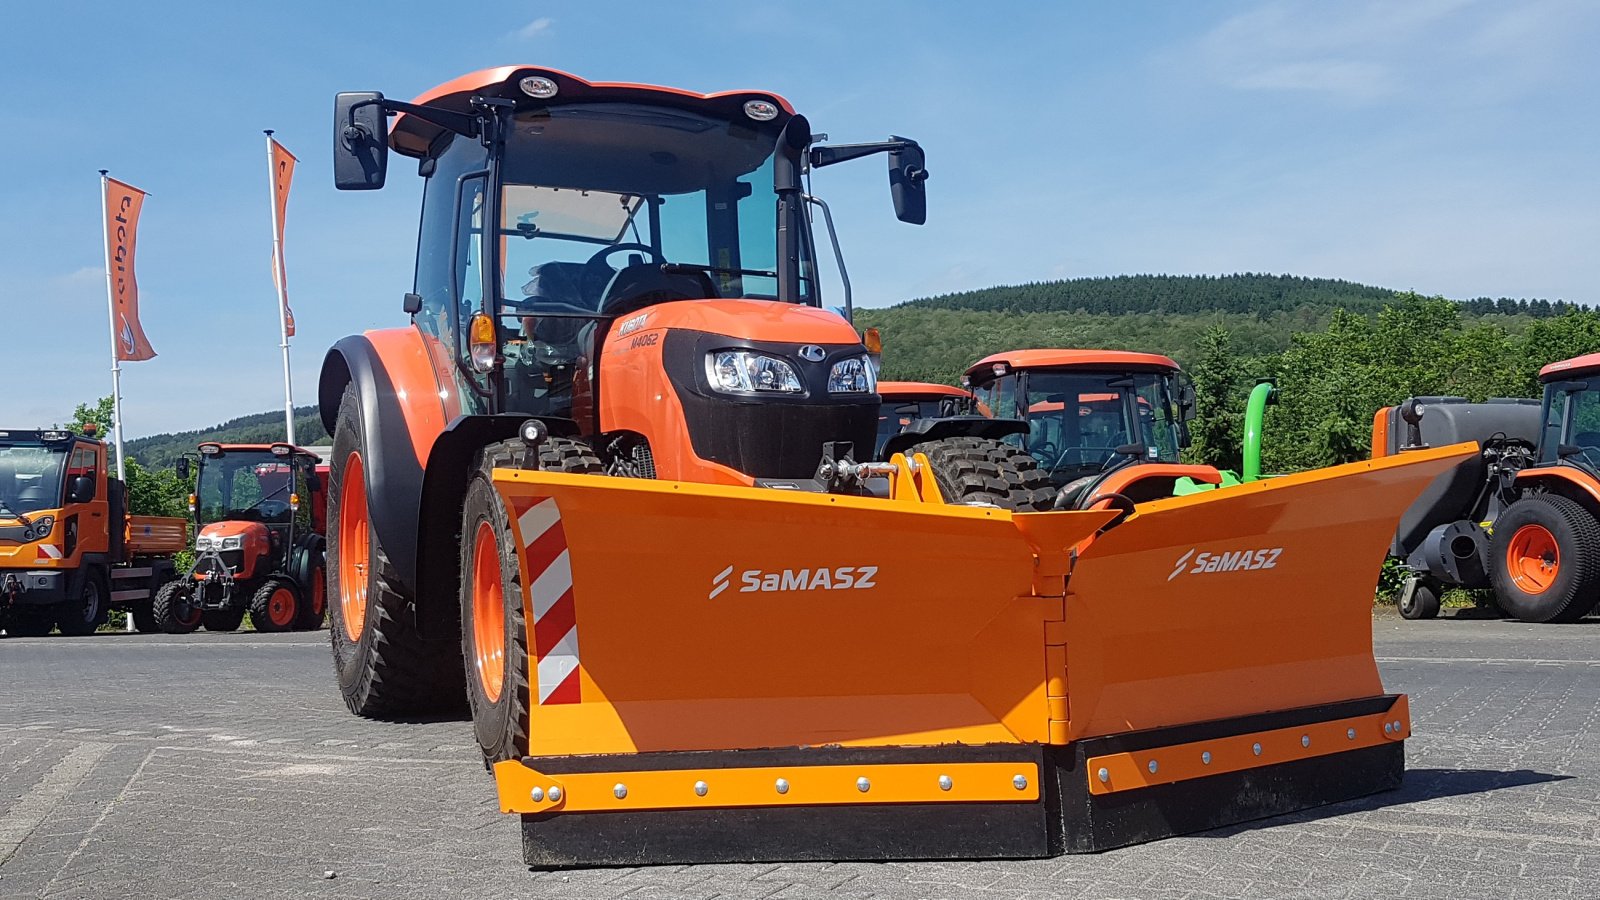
(822, 578)
(1229, 561)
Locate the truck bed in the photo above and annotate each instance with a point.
(156, 535)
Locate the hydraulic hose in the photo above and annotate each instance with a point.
(1254, 413)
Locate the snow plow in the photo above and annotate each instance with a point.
(619, 510)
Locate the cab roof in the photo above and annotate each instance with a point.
(1578, 365)
(1066, 359)
(907, 390)
(412, 136)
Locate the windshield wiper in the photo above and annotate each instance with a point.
(20, 517)
(686, 268)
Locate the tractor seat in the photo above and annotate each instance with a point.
(638, 285)
(556, 282)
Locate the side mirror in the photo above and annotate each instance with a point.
(80, 489)
(360, 141)
(182, 467)
(313, 482)
(1187, 405)
(908, 178)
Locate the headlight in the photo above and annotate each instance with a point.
(233, 542)
(42, 526)
(749, 372)
(852, 376)
(202, 542)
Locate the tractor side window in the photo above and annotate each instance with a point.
(302, 490)
(434, 281)
(1584, 410)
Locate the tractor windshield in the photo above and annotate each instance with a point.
(607, 207)
(30, 477)
(1077, 419)
(1572, 412)
(250, 485)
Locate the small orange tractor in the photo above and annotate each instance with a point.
(259, 513)
(1523, 515)
(69, 551)
(606, 488)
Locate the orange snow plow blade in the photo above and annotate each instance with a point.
(729, 673)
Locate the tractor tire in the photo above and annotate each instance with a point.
(29, 623)
(172, 611)
(314, 602)
(494, 633)
(82, 616)
(1420, 602)
(144, 614)
(384, 667)
(984, 472)
(275, 605)
(223, 621)
(1546, 559)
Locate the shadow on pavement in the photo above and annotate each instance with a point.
(1419, 785)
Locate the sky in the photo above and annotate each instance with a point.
(1443, 146)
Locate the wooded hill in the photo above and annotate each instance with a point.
(934, 338)
(160, 450)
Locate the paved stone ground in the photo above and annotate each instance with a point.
(224, 765)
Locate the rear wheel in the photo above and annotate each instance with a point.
(275, 605)
(172, 610)
(1546, 552)
(494, 632)
(986, 472)
(384, 666)
(89, 611)
(314, 605)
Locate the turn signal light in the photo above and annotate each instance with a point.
(873, 340)
(294, 502)
(481, 343)
(191, 504)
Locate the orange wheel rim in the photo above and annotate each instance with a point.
(319, 594)
(1533, 559)
(488, 613)
(280, 608)
(355, 548)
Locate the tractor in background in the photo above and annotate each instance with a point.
(1522, 517)
(259, 514)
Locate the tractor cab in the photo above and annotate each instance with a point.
(1098, 422)
(579, 237)
(904, 403)
(1571, 431)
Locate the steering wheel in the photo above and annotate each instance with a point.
(596, 269)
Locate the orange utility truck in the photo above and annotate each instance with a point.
(69, 552)
(605, 486)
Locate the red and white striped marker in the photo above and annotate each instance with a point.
(549, 590)
(47, 552)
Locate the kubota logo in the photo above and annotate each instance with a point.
(1229, 561)
(822, 578)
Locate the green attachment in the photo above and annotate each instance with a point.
(1254, 413)
(1185, 485)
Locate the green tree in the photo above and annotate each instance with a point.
(100, 415)
(1219, 418)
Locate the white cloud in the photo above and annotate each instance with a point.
(535, 28)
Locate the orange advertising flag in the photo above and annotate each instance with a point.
(123, 203)
(282, 174)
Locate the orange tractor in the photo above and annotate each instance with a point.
(615, 486)
(259, 517)
(1522, 516)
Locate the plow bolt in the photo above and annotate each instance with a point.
(1205, 758)
(782, 785)
(700, 788)
(1350, 733)
(537, 794)
(863, 785)
(620, 790)
(1020, 782)
(1305, 740)
(1153, 767)
(945, 783)
(1103, 775)
(1256, 749)
(554, 794)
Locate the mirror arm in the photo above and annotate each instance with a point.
(838, 153)
(460, 123)
(838, 257)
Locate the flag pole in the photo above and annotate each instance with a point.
(278, 279)
(111, 317)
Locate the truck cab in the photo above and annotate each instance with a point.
(68, 550)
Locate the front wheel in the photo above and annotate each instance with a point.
(172, 609)
(494, 629)
(1546, 555)
(89, 611)
(985, 472)
(1419, 600)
